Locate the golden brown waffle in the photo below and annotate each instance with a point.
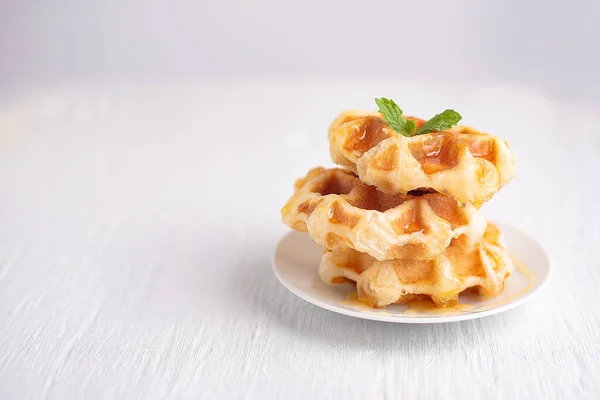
(339, 211)
(461, 162)
(482, 265)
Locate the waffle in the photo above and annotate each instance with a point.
(466, 265)
(339, 211)
(466, 164)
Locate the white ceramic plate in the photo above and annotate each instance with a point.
(296, 262)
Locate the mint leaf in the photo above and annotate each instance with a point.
(393, 116)
(440, 122)
(411, 127)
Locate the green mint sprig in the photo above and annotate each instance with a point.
(393, 116)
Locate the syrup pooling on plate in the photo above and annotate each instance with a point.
(413, 308)
(524, 271)
(429, 308)
(352, 301)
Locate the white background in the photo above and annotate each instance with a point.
(145, 152)
(550, 44)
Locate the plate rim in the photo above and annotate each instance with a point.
(423, 319)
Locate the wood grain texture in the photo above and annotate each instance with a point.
(138, 223)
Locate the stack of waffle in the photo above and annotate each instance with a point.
(401, 218)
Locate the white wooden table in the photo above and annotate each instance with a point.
(138, 221)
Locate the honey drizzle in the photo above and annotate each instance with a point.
(352, 301)
(530, 282)
(427, 307)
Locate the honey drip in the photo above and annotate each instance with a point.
(530, 282)
(427, 307)
(353, 302)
